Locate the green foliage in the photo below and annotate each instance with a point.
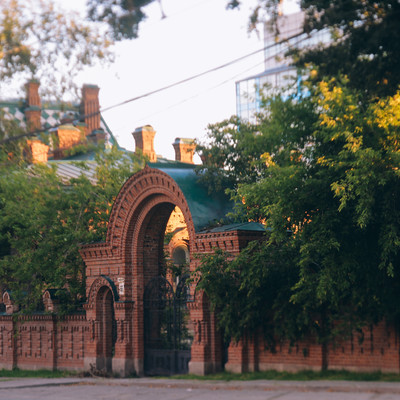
(365, 40)
(306, 375)
(123, 17)
(39, 41)
(12, 152)
(329, 193)
(365, 46)
(229, 154)
(38, 373)
(43, 220)
(251, 292)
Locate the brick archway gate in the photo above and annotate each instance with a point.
(132, 256)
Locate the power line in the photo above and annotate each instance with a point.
(198, 75)
(211, 88)
(178, 83)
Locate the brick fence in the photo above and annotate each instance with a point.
(110, 333)
(43, 341)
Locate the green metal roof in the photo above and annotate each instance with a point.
(241, 226)
(204, 207)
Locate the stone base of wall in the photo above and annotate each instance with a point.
(138, 366)
(202, 368)
(123, 367)
(288, 367)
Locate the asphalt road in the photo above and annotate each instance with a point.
(169, 389)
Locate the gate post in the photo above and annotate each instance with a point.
(122, 362)
(206, 350)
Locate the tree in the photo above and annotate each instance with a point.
(123, 17)
(329, 195)
(365, 40)
(39, 41)
(230, 155)
(365, 46)
(252, 291)
(43, 220)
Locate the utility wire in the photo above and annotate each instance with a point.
(81, 117)
(209, 89)
(204, 91)
(198, 75)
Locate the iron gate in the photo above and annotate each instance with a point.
(167, 337)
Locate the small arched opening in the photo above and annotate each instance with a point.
(107, 332)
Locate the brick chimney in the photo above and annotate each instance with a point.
(98, 136)
(90, 107)
(68, 137)
(33, 108)
(144, 141)
(184, 150)
(37, 151)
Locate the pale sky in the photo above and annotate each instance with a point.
(196, 36)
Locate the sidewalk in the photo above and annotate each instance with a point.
(262, 385)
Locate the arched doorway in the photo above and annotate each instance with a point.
(166, 333)
(107, 329)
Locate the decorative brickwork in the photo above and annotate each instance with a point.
(131, 256)
(43, 341)
(110, 334)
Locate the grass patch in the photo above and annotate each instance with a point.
(306, 375)
(40, 373)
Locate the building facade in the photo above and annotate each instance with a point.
(278, 72)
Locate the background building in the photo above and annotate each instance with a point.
(278, 71)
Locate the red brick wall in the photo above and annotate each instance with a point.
(305, 354)
(43, 341)
(375, 348)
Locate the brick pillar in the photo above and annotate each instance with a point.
(253, 352)
(217, 345)
(237, 357)
(206, 350)
(122, 362)
(90, 107)
(92, 339)
(7, 343)
(33, 108)
(184, 150)
(144, 141)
